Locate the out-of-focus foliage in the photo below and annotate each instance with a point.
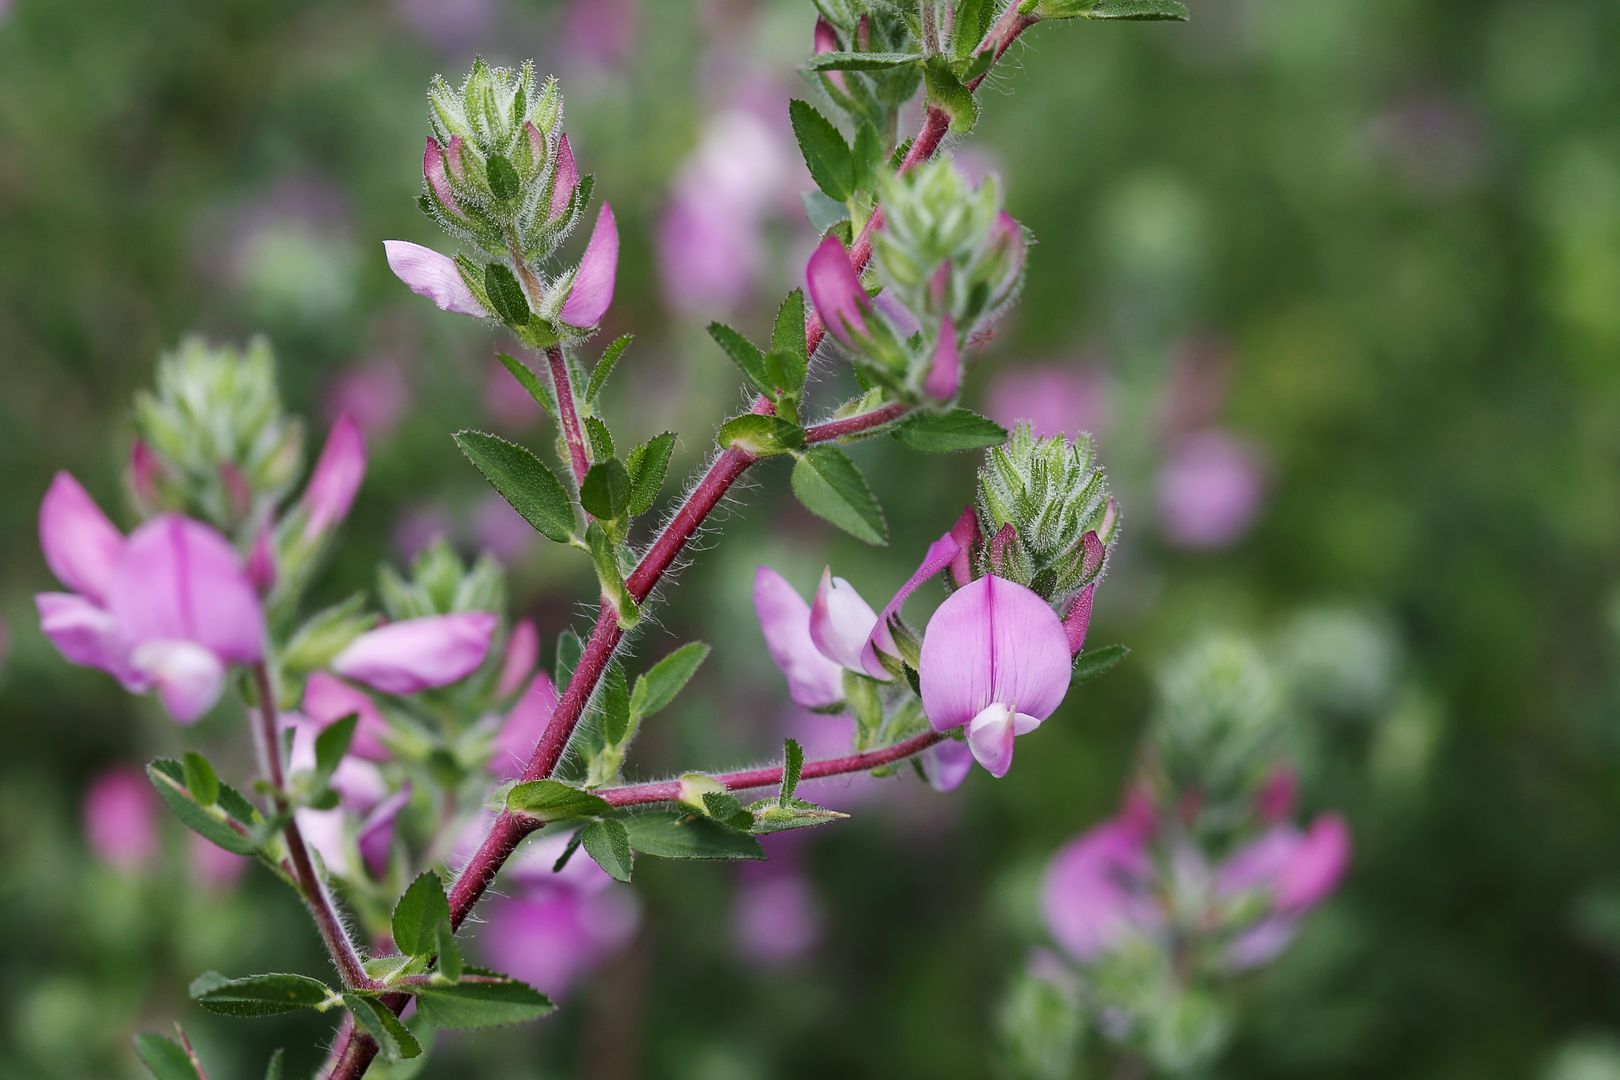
(1353, 263)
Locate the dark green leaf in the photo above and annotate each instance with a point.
(862, 61)
(418, 914)
(658, 687)
(604, 366)
(394, 1039)
(948, 432)
(503, 179)
(613, 705)
(792, 766)
(506, 295)
(538, 388)
(448, 952)
(946, 91)
(674, 834)
(332, 743)
(866, 156)
(760, 434)
(1094, 663)
(599, 438)
(725, 808)
(210, 825)
(609, 844)
(481, 1000)
(258, 995)
(606, 490)
(824, 150)
(772, 816)
(164, 1058)
(522, 480)
(273, 1071)
(647, 464)
(830, 486)
(200, 778)
(787, 336)
(553, 800)
(745, 354)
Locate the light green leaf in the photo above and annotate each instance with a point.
(1140, 10)
(948, 432)
(824, 150)
(200, 778)
(970, 24)
(606, 490)
(599, 439)
(792, 767)
(553, 800)
(604, 366)
(863, 61)
(569, 649)
(760, 434)
(418, 914)
(647, 464)
(613, 705)
(672, 834)
(787, 336)
(448, 952)
(538, 388)
(258, 995)
(332, 743)
(481, 1000)
(609, 844)
(522, 480)
(822, 211)
(658, 687)
(830, 486)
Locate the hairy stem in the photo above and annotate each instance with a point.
(568, 412)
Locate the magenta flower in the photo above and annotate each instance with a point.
(814, 680)
(1097, 892)
(1210, 488)
(166, 609)
(522, 653)
(434, 276)
(945, 371)
(362, 825)
(433, 169)
(565, 178)
(996, 658)
(836, 292)
(1055, 399)
(328, 700)
(413, 655)
(592, 290)
(775, 918)
(335, 478)
(120, 819)
(1292, 869)
(375, 394)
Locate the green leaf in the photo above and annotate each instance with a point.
(823, 212)
(613, 705)
(673, 834)
(760, 434)
(606, 490)
(522, 480)
(648, 464)
(201, 779)
(831, 487)
(394, 1039)
(604, 366)
(772, 816)
(166, 775)
(863, 61)
(481, 1000)
(658, 687)
(948, 432)
(553, 800)
(866, 156)
(418, 914)
(609, 575)
(164, 1058)
(258, 995)
(448, 952)
(599, 439)
(569, 650)
(1139, 10)
(969, 25)
(537, 387)
(787, 336)
(792, 766)
(727, 809)
(506, 295)
(1095, 663)
(332, 743)
(609, 844)
(946, 91)
(824, 150)
(745, 354)
(503, 179)
(273, 1070)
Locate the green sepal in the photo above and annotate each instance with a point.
(947, 92)
(506, 295)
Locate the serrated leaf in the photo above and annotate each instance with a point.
(503, 178)
(745, 354)
(506, 295)
(200, 778)
(760, 434)
(604, 366)
(772, 816)
(829, 485)
(672, 834)
(824, 149)
(658, 687)
(949, 432)
(394, 1040)
(787, 336)
(481, 1000)
(258, 995)
(164, 1058)
(606, 489)
(613, 705)
(522, 480)
(648, 464)
(792, 767)
(608, 843)
(1139, 10)
(863, 61)
(166, 776)
(418, 913)
(599, 439)
(332, 743)
(947, 92)
(1095, 663)
(537, 388)
(553, 800)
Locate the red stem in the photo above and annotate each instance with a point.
(568, 412)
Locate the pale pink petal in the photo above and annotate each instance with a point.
(827, 41)
(567, 178)
(840, 623)
(1096, 892)
(1317, 865)
(992, 642)
(522, 652)
(335, 478)
(188, 677)
(375, 837)
(835, 290)
(945, 371)
(432, 275)
(328, 700)
(82, 632)
(180, 580)
(418, 654)
(945, 765)
(814, 682)
(523, 727)
(990, 737)
(939, 555)
(1259, 944)
(592, 291)
(81, 546)
(120, 819)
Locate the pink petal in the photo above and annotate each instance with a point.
(523, 727)
(939, 554)
(180, 580)
(1096, 891)
(835, 290)
(840, 622)
(328, 700)
(814, 682)
(1011, 245)
(452, 157)
(82, 632)
(432, 275)
(144, 471)
(1259, 944)
(1255, 865)
(945, 765)
(945, 374)
(81, 546)
(433, 170)
(188, 677)
(592, 291)
(418, 654)
(376, 834)
(990, 738)
(966, 534)
(120, 819)
(827, 41)
(1078, 620)
(1277, 795)
(522, 652)
(1317, 865)
(993, 642)
(261, 564)
(567, 176)
(335, 478)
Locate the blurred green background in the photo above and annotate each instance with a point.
(1377, 242)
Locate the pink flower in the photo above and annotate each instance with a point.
(945, 371)
(213, 867)
(363, 823)
(566, 176)
(120, 819)
(413, 655)
(524, 725)
(814, 680)
(1295, 870)
(996, 658)
(836, 292)
(433, 170)
(434, 276)
(775, 918)
(592, 289)
(375, 394)
(1055, 399)
(1210, 488)
(328, 700)
(840, 623)
(1097, 889)
(166, 609)
(522, 653)
(335, 478)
